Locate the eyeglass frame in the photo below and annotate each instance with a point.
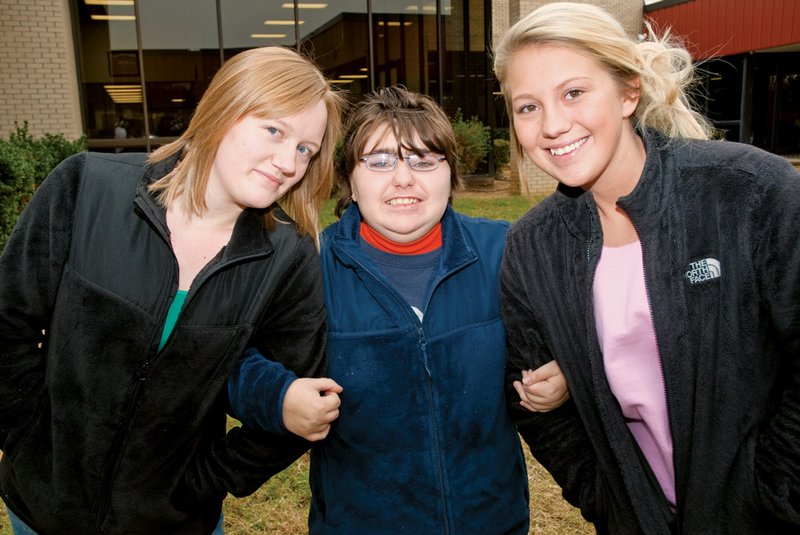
(397, 159)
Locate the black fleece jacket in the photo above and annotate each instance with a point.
(101, 432)
(728, 338)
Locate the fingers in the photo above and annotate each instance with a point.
(543, 389)
(524, 402)
(326, 385)
(309, 407)
(542, 373)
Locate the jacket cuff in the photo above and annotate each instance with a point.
(256, 390)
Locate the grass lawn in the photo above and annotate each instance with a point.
(280, 507)
(508, 207)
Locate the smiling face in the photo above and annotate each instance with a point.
(259, 160)
(402, 204)
(572, 119)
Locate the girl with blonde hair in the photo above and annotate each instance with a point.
(663, 276)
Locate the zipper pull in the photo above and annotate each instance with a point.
(144, 371)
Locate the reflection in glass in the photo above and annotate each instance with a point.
(359, 44)
(180, 48)
(337, 37)
(110, 72)
(254, 23)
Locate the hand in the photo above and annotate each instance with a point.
(309, 407)
(544, 389)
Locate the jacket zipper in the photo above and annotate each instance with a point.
(143, 373)
(140, 376)
(423, 345)
(661, 370)
(589, 245)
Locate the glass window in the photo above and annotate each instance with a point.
(336, 35)
(183, 43)
(404, 45)
(466, 61)
(109, 69)
(776, 102)
(254, 23)
(723, 84)
(180, 47)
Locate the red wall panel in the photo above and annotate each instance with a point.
(723, 27)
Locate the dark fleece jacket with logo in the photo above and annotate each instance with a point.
(719, 225)
(101, 432)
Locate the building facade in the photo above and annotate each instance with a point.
(128, 73)
(749, 57)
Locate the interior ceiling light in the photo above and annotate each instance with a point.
(108, 2)
(290, 5)
(393, 23)
(353, 76)
(124, 94)
(429, 8)
(267, 35)
(282, 22)
(113, 17)
(340, 81)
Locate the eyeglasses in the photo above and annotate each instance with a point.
(383, 162)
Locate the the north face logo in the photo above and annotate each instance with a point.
(703, 270)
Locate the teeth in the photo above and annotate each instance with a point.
(404, 200)
(569, 148)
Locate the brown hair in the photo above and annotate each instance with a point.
(404, 114)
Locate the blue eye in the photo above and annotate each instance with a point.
(305, 151)
(425, 163)
(382, 164)
(272, 130)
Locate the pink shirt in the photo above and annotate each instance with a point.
(633, 366)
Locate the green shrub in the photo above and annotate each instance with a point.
(474, 143)
(24, 163)
(502, 152)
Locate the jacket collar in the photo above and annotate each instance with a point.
(456, 250)
(645, 203)
(250, 233)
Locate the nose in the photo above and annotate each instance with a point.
(403, 176)
(285, 159)
(555, 121)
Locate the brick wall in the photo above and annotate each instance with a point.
(38, 81)
(507, 12)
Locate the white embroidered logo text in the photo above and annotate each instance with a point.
(703, 270)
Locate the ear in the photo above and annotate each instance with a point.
(630, 97)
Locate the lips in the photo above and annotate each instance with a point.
(270, 177)
(566, 149)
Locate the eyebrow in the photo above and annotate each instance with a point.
(288, 128)
(560, 87)
(393, 151)
(383, 150)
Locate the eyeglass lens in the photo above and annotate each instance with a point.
(387, 162)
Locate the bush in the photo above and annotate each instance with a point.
(474, 143)
(502, 152)
(24, 163)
